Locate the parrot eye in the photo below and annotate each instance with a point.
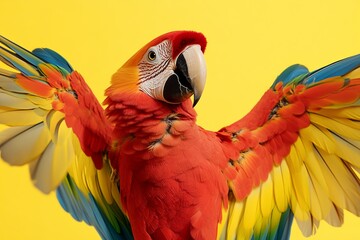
(151, 55)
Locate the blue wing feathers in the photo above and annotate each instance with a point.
(15, 64)
(290, 73)
(284, 229)
(21, 52)
(85, 208)
(52, 57)
(338, 68)
(282, 232)
(299, 74)
(35, 58)
(68, 203)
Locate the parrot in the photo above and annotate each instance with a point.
(139, 167)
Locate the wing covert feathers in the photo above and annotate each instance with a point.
(296, 152)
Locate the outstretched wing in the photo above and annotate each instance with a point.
(56, 125)
(296, 154)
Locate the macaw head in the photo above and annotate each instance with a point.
(170, 68)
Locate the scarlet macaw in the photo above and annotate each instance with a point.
(143, 169)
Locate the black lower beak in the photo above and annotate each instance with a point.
(178, 86)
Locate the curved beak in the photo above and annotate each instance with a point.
(195, 69)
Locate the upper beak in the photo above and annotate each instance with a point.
(196, 70)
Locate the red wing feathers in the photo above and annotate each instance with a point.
(263, 138)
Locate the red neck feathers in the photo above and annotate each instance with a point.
(132, 113)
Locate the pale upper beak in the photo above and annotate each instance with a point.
(196, 68)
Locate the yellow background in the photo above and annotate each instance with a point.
(249, 43)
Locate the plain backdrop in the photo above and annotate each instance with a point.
(249, 43)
